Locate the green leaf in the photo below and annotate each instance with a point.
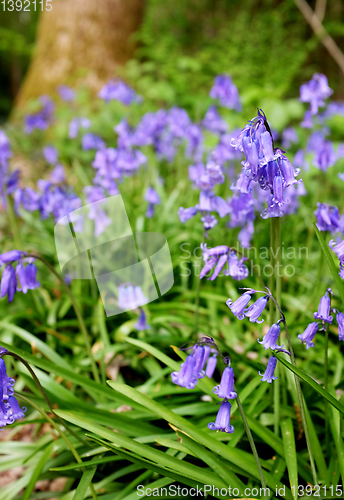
(329, 259)
(85, 482)
(290, 454)
(238, 457)
(303, 376)
(37, 471)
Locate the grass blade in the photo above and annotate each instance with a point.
(290, 454)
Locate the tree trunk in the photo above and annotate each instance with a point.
(81, 42)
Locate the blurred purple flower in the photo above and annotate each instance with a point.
(43, 118)
(315, 91)
(226, 92)
(66, 93)
(119, 91)
(213, 121)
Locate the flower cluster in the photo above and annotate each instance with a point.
(329, 218)
(8, 182)
(315, 91)
(205, 178)
(43, 118)
(226, 92)
(10, 276)
(199, 364)
(264, 165)
(323, 315)
(119, 91)
(222, 255)
(9, 406)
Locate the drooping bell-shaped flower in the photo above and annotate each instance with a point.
(269, 372)
(236, 268)
(340, 321)
(222, 422)
(186, 377)
(238, 307)
(226, 387)
(6, 382)
(337, 249)
(255, 310)
(270, 339)
(8, 283)
(324, 308)
(141, 323)
(15, 411)
(211, 365)
(185, 214)
(308, 335)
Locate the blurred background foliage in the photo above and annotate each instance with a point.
(266, 46)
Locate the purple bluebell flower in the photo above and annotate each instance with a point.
(226, 92)
(213, 122)
(186, 376)
(222, 422)
(6, 383)
(324, 308)
(211, 365)
(66, 93)
(315, 91)
(28, 198)
(289, 137)
(50, 154)
(201, 354)
(141, 323)
(226, 387)
(15, 411)
(57, 175)
(5, 150)
(325, 156)
(269, 372)
(245, 235)
(92, 141)
(209, 221)
(185, 214)
(270, 339)
(328, 218)
(308, 335)
(255, 310)
(130, 297)
(43, 118)
(8, 283)
(27, 276)
(10, 256)
(236, 268)
(75, 124)
(153, 199)
(300, 160)
(338, 249)
(211, 256)
(307, 121)
(237, 307)
(119, 91)
(340, 322)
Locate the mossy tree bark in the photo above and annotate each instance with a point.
(81, 41)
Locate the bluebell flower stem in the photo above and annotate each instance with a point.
(77, 313)
(252, 444)
(302, 408)
(61, 433)
(326, 408)
(13, 223)
(275, 288)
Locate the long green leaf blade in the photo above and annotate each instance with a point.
(290, 454)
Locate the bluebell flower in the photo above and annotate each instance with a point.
(226, 387)
(75, 124)
(186, 376)
(222, 422)
(9, 407)
(8, 283)
(131, 297)
(338, 249)
(238, 307)
(324, 308)
(185, 214)
(27, 276)
(211, 365)
(236, 267)
(308, 335)
(10, 256)
(66, 93)
(141, 323)
(325, 156)
(270, 339)
(213, 122)
(153, 199)
(315, 91)
(245, 235)
(201, 354)
(340, 322)
(226, 92)
(289, 137)
(328, 218)
(269, 372)
(50, 154)
(307, 121)
(255, 310)
(119, 91)
(209, 221)
(43, 118)
(92, 141)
